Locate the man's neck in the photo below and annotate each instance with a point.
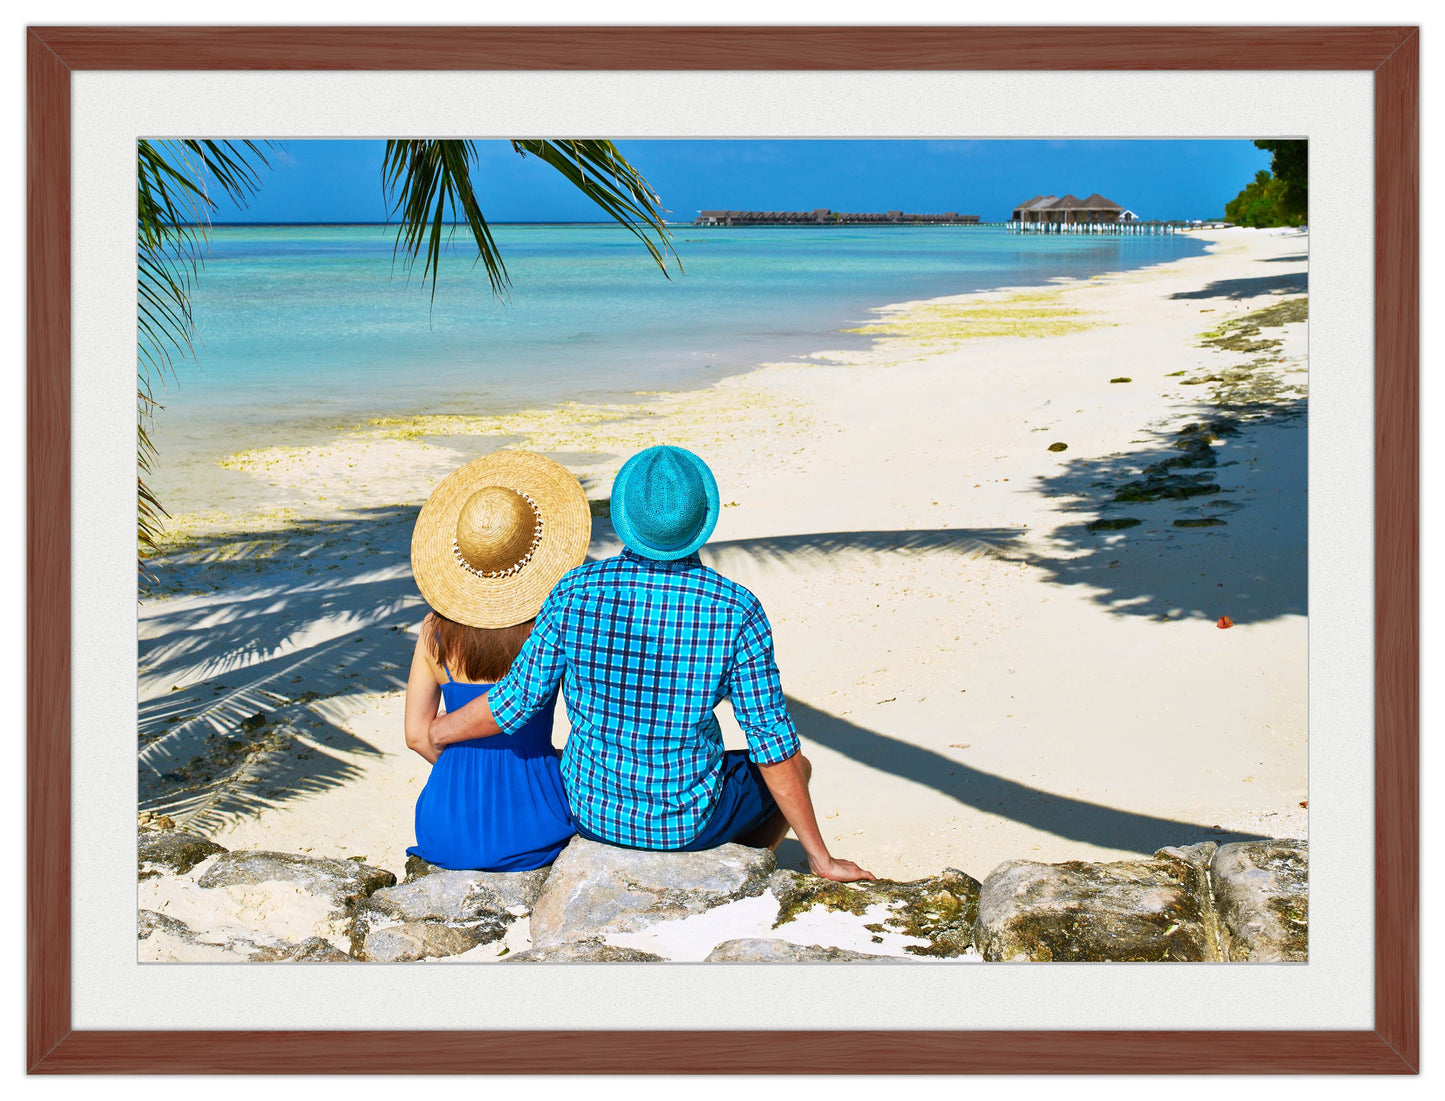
(688, 562)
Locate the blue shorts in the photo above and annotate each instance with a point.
(743, 804)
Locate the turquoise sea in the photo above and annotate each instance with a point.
(306, 328)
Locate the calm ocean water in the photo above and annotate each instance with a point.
(303, 328)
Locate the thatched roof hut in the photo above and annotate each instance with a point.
(1070, 208)
(1023, 210)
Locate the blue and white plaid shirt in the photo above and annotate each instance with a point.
(649, 648)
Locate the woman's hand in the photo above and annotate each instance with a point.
(844, 871)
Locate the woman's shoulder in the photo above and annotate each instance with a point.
(426, 645)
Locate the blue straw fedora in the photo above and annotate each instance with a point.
(664, 503)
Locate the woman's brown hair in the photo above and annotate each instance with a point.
(477, 653)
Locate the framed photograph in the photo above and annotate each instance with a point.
(927, 515)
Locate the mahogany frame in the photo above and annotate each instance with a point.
(1391, 53)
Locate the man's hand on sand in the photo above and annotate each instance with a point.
(844, 871)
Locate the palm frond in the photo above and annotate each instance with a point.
(163, 312)
(425, 182)
(600, 171)
(175, 184)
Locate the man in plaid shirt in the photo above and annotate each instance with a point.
(650, 642)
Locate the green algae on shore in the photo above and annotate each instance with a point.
(941, 324)
(184, 533)
(399, 459)
(1242, 334)
(941, 909)
(1258, 380)
(525, 423)
(603, 433)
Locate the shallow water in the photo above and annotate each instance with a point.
(306, 328)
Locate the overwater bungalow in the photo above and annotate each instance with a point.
(1096, 214)
(1095, 210)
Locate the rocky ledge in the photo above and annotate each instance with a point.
(1239, 902)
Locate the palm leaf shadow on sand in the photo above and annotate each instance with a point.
(1060, 815)
(250, 727)
(813, 547)
(1075, 819)
(258, 676)
(252, 721)
(1237, 290)
(1257, 572)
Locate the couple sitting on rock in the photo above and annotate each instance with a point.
(643, 646)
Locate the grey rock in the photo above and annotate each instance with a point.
(171, 851)
(343, 882)
(591, 950)
(1261, 889)
(165, 931)
(763, 950)
(596, 889)
(370, 923)
(461, 896)
(149, 922)
(487, 900)
(317, 950)
(419, 940)
(941, 909)
(516, 887)
(1156, 909)
(310, 950)
(368, 920)
(1197, 856)
(783, 881)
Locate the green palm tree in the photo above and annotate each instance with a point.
(429, 190)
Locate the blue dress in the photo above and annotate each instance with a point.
(494, 804)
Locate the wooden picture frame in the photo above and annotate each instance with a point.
(1390, 53)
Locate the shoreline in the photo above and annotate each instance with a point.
(232, 406)
(1018, 685)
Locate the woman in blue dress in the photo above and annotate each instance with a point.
(489, 545)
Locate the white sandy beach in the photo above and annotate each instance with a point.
(975, 674)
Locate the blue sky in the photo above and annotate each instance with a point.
(340, 181)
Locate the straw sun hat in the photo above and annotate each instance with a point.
(494, 538)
